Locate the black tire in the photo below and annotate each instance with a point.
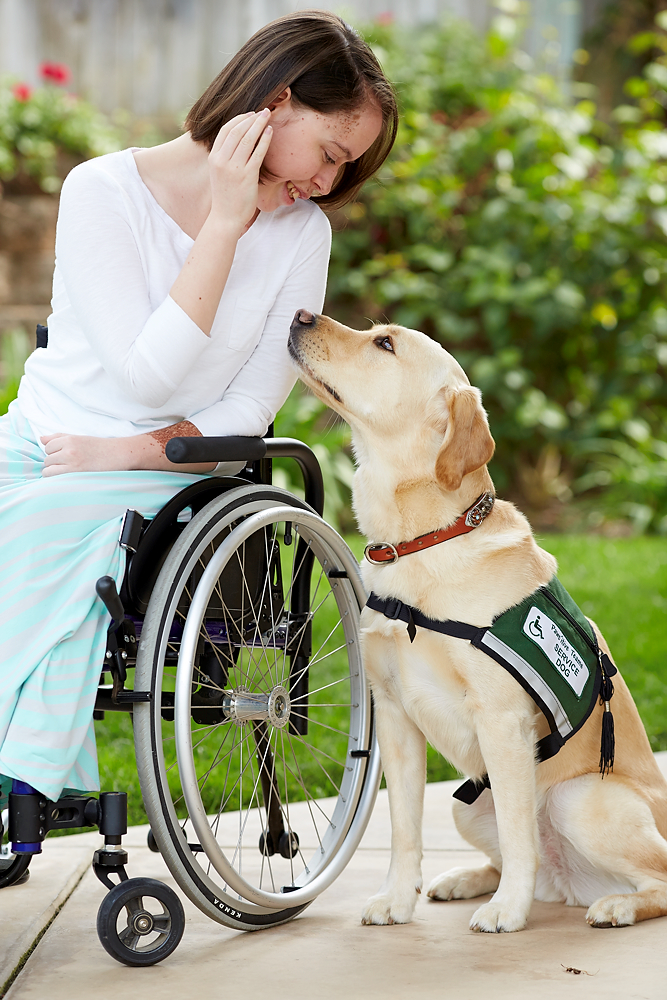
(171, 821)
(162, 931)
(13, 868)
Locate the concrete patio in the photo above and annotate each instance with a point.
(325, 953)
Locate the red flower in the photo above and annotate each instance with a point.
(57, 73)
(22, 92)
(386, 18)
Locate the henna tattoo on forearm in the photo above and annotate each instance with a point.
(182, 429)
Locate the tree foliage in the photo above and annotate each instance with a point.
(528, 237)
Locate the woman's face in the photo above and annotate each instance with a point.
(308, 149)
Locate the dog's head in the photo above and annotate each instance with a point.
(398, 386)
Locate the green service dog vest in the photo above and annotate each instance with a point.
(548, 645)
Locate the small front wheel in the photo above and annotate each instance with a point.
(13, 867)
(140, 922)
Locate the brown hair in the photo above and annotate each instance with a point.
(328, 67)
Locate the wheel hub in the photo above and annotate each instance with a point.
(244, 706)
(142, 922)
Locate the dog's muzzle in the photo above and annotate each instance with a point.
(302, 322)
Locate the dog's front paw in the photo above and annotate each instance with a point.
(498, 918)
(391, 907)
(612, 911)
(464, 883)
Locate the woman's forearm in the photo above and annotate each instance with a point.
(199, 287)
(76, 453)
(148, 451)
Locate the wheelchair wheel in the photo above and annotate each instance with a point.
(13, 867)
(145, 937)
(257, 755)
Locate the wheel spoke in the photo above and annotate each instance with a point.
(253, 794)
(134, 905)
(322, 767)
(332, 729)
(129, 938)
(309, 797)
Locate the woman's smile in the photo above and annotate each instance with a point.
(309, 149)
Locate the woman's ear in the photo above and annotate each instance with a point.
(468, 444)
(283, 99)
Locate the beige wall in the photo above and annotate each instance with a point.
(154, 57)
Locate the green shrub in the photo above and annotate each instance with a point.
(528, 237)
(42, 127)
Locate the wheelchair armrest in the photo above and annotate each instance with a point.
(181, 450)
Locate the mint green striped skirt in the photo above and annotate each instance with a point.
(57, 537)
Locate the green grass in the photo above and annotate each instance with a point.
(620, 583)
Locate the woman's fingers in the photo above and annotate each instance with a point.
(53, 443)
(259, 152)
(233, 131)
(228, 127)
(240, 141)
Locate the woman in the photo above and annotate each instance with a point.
(178, 270)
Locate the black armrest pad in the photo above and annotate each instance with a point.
(181, 450)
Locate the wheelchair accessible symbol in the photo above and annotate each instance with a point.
(535, 628)
(557, 648)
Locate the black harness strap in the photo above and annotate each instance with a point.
(396, 610)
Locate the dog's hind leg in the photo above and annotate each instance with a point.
(476, 822)
(613, 831)
(403, 749)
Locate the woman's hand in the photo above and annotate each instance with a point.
(78, 453)
(234, 164)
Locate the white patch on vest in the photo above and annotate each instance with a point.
(546, 634)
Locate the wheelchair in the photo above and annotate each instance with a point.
(238, 620)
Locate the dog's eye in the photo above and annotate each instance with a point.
(385, 343)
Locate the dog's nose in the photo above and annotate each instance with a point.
(304, 318)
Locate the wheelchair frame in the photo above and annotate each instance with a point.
(255, 510)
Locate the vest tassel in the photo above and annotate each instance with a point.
(608, 741)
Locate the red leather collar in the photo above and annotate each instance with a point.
(385, 552)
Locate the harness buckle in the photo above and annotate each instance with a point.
(393, 608)
(380, 545)
(481, 509)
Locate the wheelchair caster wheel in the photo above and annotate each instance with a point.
(129, 928)
(152, 843)
(288, 845)
(14, 869)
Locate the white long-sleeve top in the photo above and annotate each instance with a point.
(123, 358)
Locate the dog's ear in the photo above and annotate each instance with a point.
(468, 444)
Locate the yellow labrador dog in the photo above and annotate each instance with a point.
(553, 831)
